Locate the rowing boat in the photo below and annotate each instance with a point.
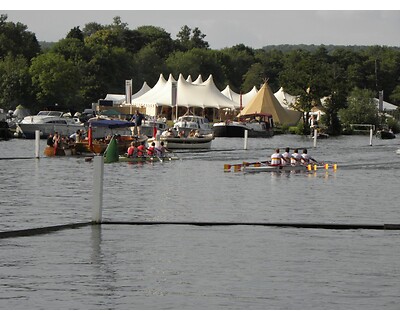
(147, 159)
(264, 166)
(268, 168)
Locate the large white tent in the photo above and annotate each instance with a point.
(188, 94)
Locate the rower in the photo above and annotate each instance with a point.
(306, 158)
(295, 159)
(286, 156)
(276, 158)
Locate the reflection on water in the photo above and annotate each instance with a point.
(192, 267)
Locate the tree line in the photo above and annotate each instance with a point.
(97, 59)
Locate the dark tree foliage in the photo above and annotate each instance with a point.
(16, 40)
(86, 65)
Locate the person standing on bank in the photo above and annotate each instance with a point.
(138, 117)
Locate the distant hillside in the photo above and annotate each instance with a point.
(313, 47)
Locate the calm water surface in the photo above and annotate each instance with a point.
(193, 267)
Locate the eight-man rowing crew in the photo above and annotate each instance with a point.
(282, 162)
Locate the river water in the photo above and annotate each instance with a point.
(186, 266)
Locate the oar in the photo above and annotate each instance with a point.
(237, 167)
(246, 164)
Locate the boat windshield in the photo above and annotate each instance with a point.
(50, 113)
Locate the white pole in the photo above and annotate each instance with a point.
(315, 137)
(37, 141)
(158, 138)
(98, 188)
(370, 136)
(246, 135)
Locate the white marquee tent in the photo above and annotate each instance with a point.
(188, 94)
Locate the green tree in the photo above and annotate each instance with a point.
(75, 33)
(56, 80)
(253, 77)
(148, 65)
(241, 58)
(15, 82)
(361, 108)
(16, 40)
(188, 39)
(183, 38)
(196, 62)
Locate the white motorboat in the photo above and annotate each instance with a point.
(173, 142)
(188, 123)
(47, 122)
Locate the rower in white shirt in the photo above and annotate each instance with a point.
(276, 158)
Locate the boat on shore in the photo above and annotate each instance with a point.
(47, 122)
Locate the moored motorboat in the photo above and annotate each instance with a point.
(47, 122)
(189, 122)
(257, 125)
(202, 142)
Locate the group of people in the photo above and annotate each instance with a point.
(143, 151)
(294, 159)
(58, 140)
(181, 134)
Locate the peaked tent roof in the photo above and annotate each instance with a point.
(235, 97)
(121, 98)
(145, 87)
(285, 99)
(266, 102)
(199, 80)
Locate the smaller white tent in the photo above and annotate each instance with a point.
(235, 97)
(386, 105)
(285, 99)
(121, 98)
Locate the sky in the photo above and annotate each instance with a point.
(345, 24)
